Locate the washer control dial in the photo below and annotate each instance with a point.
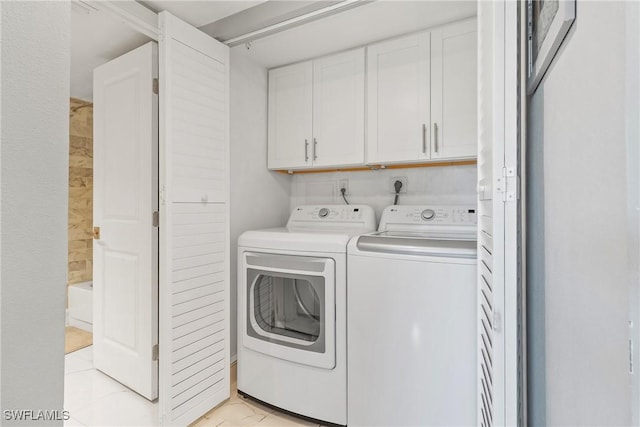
(428, 214)
(323, 212)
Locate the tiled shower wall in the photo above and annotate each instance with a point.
(80, 267)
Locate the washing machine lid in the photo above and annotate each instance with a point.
(423, 230)
(412, 244)
(281, 239)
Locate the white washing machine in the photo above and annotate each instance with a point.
(292, 311)
(412, 319)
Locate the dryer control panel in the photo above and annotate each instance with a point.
(356, 218)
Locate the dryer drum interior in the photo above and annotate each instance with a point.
(288, 306)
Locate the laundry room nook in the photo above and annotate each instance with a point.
(231, 166)
(315, 213)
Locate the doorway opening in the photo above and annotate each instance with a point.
(91, 397)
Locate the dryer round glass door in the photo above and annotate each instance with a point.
(289, 308)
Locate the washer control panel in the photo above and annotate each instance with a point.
(427, 218)
(323, 216)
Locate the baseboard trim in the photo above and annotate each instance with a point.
(233, 372)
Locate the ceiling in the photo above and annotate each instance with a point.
(199, 13)
(355, 27)
(96, 37)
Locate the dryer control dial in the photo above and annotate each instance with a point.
(428, 214)
(323, 212)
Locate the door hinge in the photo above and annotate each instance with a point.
(497, 322)
(156, 219)
(508, 185)
(155, 353)
(156, 86)
(163, 195)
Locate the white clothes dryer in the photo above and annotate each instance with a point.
(292, 311)
(412, 319)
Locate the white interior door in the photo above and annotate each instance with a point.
(194, 222)
(125, 269)
(501, 390)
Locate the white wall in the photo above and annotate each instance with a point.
(578, 275)
(430, 185)
(34, 157)
(632, 89)
(259, 198)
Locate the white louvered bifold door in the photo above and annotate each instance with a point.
(499, 395)
(194, 222)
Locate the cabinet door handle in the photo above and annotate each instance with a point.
(315, 149)
(435, 136)
(424, 138)
(306, 151)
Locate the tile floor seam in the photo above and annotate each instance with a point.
(79, 370)
(104, 396)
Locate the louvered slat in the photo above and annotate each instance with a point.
(196, 352)
(198, 292)
(198, 282)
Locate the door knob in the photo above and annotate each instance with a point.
(96, 233)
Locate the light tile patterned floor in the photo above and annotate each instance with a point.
(241, 412)
(75, 339)
(94, 399)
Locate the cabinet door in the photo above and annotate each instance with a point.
(453, 91)
(338, 109)
(290, 106)
(398, 100)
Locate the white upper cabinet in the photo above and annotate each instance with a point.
(338, 109)
(454, 91)
(420, 103)
(422, 96)
(398, 115)
(316, 113)
(290, 126)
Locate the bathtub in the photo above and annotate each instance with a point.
(81, 306)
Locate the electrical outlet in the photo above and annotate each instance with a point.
(402, 179)
(343, 183)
